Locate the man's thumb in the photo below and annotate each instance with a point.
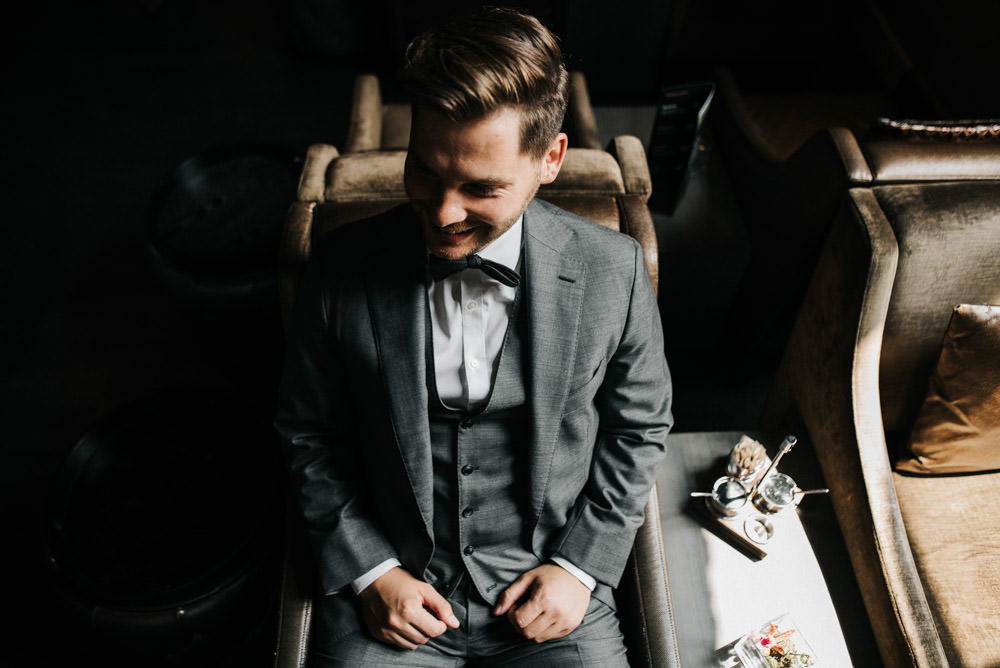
(512, 594)
(439, 605)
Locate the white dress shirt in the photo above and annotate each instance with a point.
(469, 316)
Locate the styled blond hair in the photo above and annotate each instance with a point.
(495, 58)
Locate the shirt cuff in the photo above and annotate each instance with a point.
(580, 575)
(362, 582)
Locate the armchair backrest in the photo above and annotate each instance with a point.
(376, 125)
(948, 236)
(609, 187)
(942, 203)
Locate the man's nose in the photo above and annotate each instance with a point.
(450, 208)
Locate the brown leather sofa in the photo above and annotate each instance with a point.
(917, 233)
(609, 187)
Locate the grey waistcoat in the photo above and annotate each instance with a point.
(481, 481)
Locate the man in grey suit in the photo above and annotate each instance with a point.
(475, 396)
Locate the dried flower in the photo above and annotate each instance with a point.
(779, 650)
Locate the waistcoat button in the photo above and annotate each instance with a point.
(467, 423)
(468, 469)
(468, 512)
(468, 550)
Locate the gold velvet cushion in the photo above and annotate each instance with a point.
(958, 427)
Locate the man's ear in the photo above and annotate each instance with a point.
(553, 158)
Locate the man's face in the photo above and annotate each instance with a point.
(469, 182)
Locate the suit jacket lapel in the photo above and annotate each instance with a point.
(397, 297)
(555, 283)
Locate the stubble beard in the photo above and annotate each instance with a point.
(496, 231)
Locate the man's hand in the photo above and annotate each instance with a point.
(545, 603)
(399, 609)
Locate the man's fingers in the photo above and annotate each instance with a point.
(413, 615)
(556, 605)
(392, 631)
(399, 639)
(429, 625)
(512, 594)
(542, 628)
(526, 613)
(440, 607)
(401, 610)
(417, 630)
(557, 629)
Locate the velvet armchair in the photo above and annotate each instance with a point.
(610, 187)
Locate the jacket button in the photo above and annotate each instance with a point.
(468, 469)
(467, 423)
(468, 512)
(468, 550)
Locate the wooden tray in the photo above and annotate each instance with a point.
(730, 529)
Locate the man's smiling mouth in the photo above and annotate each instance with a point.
(453, 234)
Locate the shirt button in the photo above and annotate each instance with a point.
(468, 512)
(468, 550)
(474, 363)
(471, 305)
(468, 469)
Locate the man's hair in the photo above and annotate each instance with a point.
(497, 57)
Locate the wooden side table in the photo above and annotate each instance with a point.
(718, 592)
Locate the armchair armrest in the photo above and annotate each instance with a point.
(312, 181)
(293, 253)
(631, 157)
(365, 130)
(646, 589)
(295, 605)
(296, 235)
(636, 219)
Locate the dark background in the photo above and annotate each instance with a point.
(104, 100)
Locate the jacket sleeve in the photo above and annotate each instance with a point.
(633, 405)
(315, 420)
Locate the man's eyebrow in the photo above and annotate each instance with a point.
(492, 181)
(486, 181)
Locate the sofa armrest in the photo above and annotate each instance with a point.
(855, 165)
(830, 377)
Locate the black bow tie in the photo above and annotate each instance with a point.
(441, 268)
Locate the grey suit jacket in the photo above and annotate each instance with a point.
(353, 403)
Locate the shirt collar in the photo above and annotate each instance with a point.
(506, 249)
